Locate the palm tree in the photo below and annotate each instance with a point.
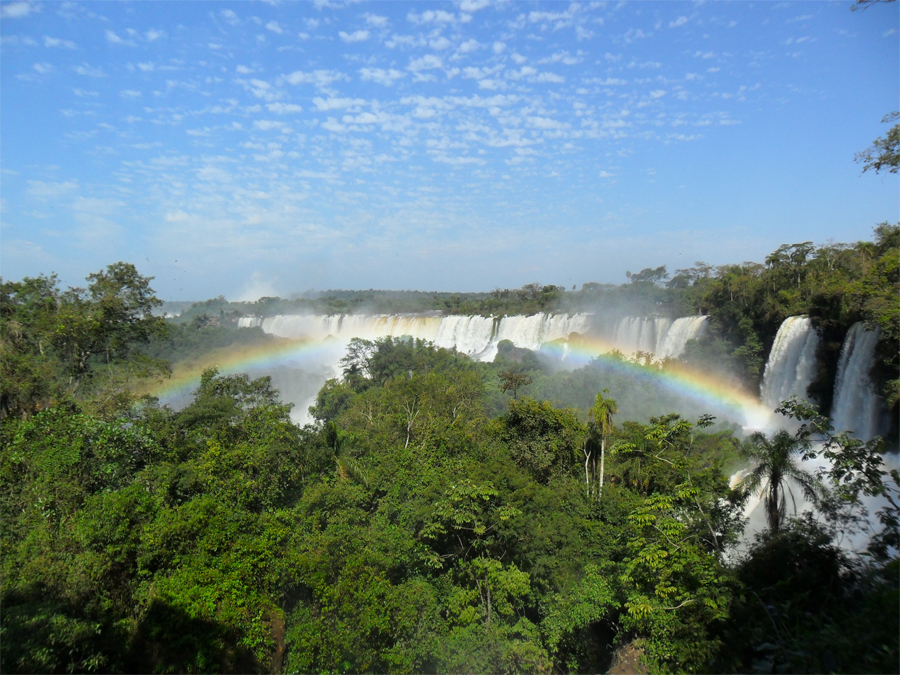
(602, 412)
(775, 470)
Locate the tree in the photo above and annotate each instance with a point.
(884, 153)
(775, 469)
(542, 439)
(601, 414)
(649, 274)
(513, 381)
(57, 345)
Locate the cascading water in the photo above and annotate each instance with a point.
(856, 406)
(791, 366)
(477, 336)
(637, 334)
(682, 331)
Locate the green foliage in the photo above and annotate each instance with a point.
(884, 152)
(80, 344)
(543, 440)
(427, 522)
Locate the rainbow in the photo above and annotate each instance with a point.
(713, 393)
(278, 353)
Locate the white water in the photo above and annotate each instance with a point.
(854, 540)
(791, 366)
(479, 336)
(476, 336)
(677, 337)
(856, 406)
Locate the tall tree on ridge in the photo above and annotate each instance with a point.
(601, 413)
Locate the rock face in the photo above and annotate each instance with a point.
(626, 660)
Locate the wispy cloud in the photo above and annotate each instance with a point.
(355, 36)
(18, 10)
(89, 71)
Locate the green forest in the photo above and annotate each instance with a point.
(443, 515)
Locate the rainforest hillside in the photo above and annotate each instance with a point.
(439, 515)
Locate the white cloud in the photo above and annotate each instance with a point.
(43, 68)
(545, 123)
(476, 73)
(405, 41)
(439, 43)
(284, 108)
(473, 5)
(562, 57)
(355, 36)
(468, 46)
(244, 70)
(270, 125)
(129, 93)
(153, 35)
(680, 21)
(230, 17)
(323, 104)
(148, 67)
(367, 118)
(319, 78)
(112, 37)
(426, 62)
(549, 77)
(90, 71)
(432, 16)
(499, 47)
(16, 10)
(635, 34)
(37, 188)
(274, 27)
(331, 124)
(380, 76)
(540, 17)
(57, 42)
(377, 21)
(607, 82)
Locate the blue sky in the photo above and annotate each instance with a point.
(253, 148)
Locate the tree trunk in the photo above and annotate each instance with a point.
(587, 480)
(602, 464)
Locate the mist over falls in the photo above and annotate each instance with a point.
(571, 340)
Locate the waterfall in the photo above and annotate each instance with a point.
(856, 406)
(477, 336)
(791, 366)
(659, 336)
(637, 334)
(681, 331)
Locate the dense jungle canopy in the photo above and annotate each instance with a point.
(440, 515)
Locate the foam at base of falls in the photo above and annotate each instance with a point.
(791, 365)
